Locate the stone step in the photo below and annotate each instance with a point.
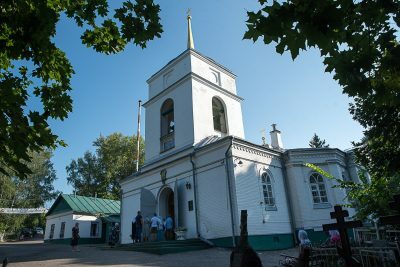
(165, 247)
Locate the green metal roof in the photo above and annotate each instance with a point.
(85, 205)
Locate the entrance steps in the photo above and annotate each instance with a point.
(166, 247)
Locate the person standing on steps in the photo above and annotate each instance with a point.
(154, 224)
(139, 227)
(169, 226)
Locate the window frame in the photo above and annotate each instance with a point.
(52, 229)
(62, 230)
(221, 113)
(96, 234)
(268, 192)
(167, 131)
(317, 185)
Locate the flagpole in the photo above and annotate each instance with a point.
(138, 137)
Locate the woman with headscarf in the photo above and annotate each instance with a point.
(334, 238)
(304, 251)
(75, 237)
(303, 238)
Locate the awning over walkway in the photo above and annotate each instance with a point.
(111, 218)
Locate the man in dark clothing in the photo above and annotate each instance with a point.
(114, 236)
(75, 237)
(139, 227)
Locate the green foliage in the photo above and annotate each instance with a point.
(32, 192)
(369, 196)
(359, 43)
(316, 142)
(356, 38)
(100, 172)
(33, 67)
(379, 150)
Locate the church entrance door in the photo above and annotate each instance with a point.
(166, 205)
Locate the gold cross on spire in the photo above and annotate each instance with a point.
(190, 42)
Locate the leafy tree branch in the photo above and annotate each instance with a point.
(32, 66)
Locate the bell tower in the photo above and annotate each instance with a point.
(191, 98)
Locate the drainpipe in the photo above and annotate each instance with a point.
(288, 198)
(229, 192)
(195, 193)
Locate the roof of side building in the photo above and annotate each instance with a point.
(84, 205)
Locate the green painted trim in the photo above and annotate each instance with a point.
(260, 242)
(82, 241)
(316, 237)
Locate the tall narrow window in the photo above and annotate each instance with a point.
(94, 229)
(218, 115)
(52, 231)
(62, 230)
(318, 190)
(167, 125)
(267, 190)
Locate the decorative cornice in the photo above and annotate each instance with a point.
(168, 89)
(197, 54)
(253, 150)
(212, 62)
(215, 87)
(307, 153)
(171, 63)
(194, 76)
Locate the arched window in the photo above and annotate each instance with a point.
(218, 115)
(267, 190)
(318, 188)
(167, 125)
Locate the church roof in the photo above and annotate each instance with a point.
(208, 140)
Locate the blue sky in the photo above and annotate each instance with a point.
(297, 95)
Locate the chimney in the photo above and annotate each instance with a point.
(276, 140)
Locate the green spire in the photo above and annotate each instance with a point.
(190, 42)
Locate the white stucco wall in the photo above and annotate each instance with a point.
(57, 219)
(307, 214)
(213, 195)
(169, 74)
(261, 219)
(129, 206)
(85, 222)
(70, 220)
(212, 72)
(183, 119)
(203, 116)
(190, 81)
(178, 174)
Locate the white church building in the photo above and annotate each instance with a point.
(200, 169)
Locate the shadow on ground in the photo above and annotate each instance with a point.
(37, 253)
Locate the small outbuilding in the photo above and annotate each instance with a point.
(96, 217)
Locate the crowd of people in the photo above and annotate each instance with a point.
(155, 228)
